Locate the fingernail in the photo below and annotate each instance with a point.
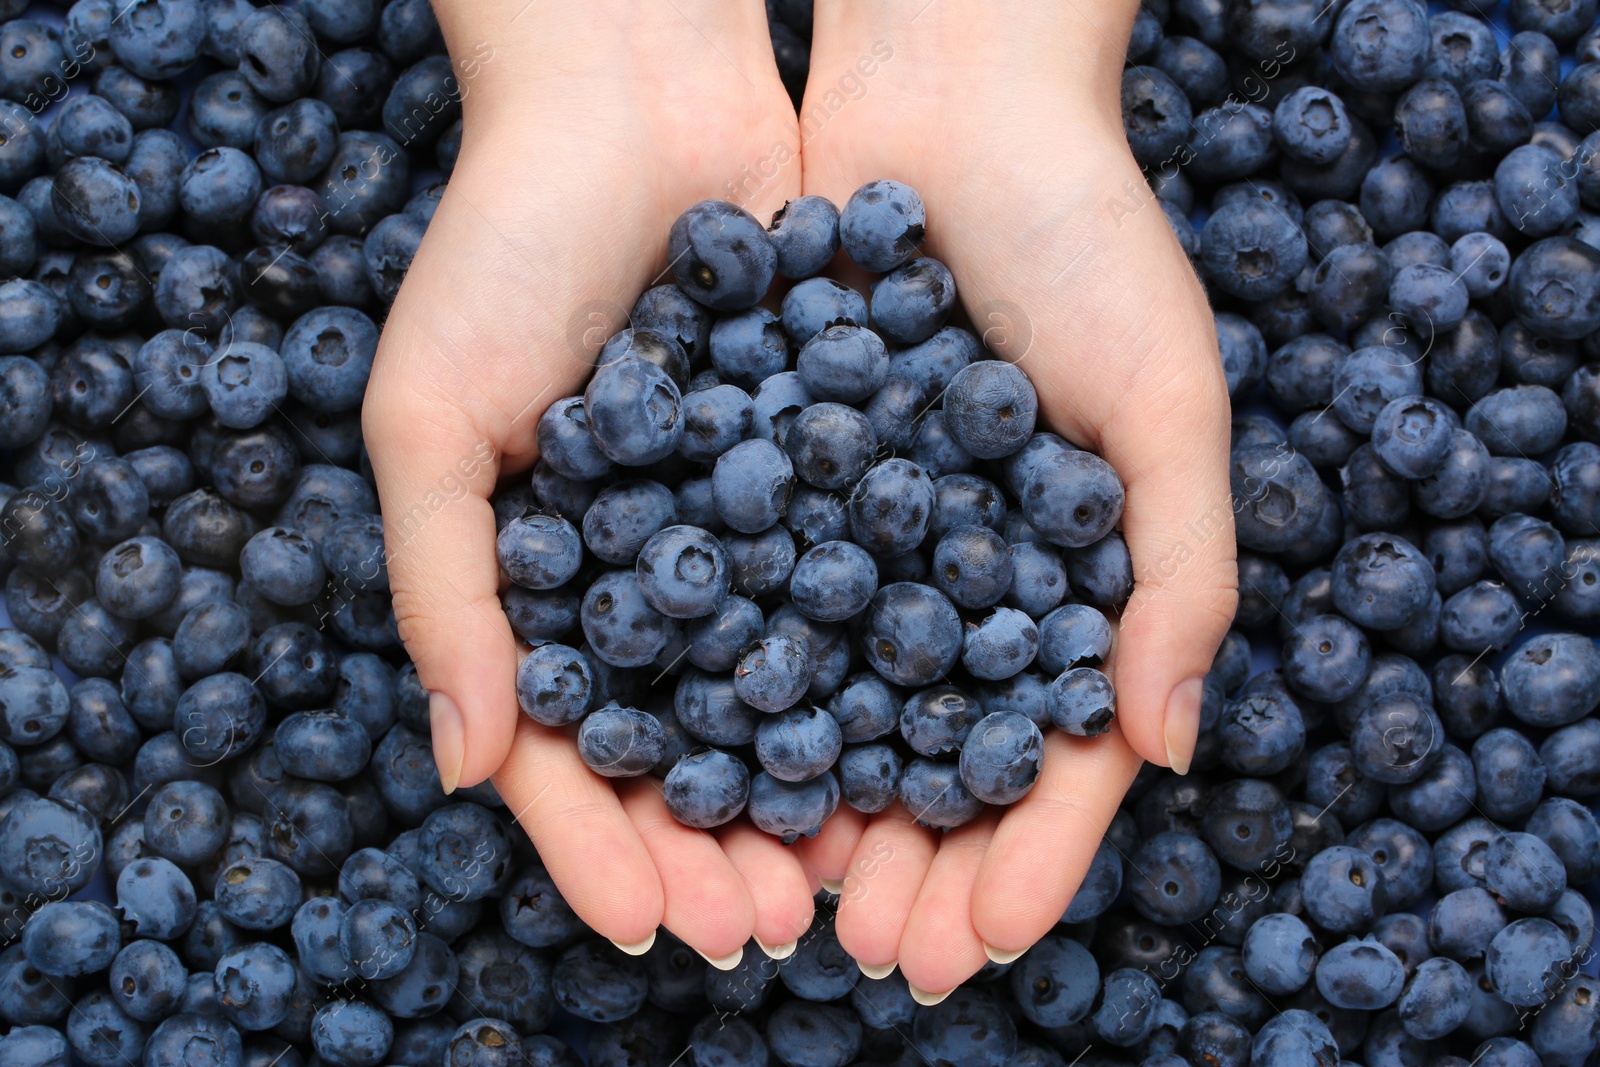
(449, 743)
(638, 948)
(877, 970)
(927, 1000)
(778, 952)
(833, 885)
(726, 963)
(1183, 723)
(1002, 956)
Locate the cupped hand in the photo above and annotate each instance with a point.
(588, 128)
(1067, 265)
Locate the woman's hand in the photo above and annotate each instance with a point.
(1006, 118)
(589, 126)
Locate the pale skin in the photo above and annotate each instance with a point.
(587, 132)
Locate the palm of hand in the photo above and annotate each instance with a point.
(555, 213)
(1067, 266)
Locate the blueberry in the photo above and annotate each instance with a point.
(1260, 733)
(911, 302)
(882, 224)
(1554, 288)
(891, 508)
(869, 776)
(1000, 646)
(791, 810)
(834, 581)
(843, 362)
(751, 483)
(1524, 961)
(1081, 701)
(721, 256)
(620, 742)
(773, 674)
(255, 986)
(935, 795)
(775, 403)
(618, 522)
(1327, 658)
(709, 709)
(1183, 879)
(1001, 756)
(747, 347)
(707, 789)
(798, 744)
(1074, 635)
(1156, 115)
(714, 420)
(1524, 872)
(831, 445)
(351, 1032)
(71, 938)
(155, 897)
(805, 233)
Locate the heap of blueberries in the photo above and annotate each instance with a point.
(793, 553)
(759, 502)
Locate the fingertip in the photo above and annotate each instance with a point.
(1045, 842)
(583, 836)
(705, 901)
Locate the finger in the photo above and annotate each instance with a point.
(435, 472)
(1045, 841)
(886, 872)
(706, 901)
(1169, 442)
(777, 883)
(939, 949)
(826, 857)
(584, 838)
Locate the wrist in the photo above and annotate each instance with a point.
(1075, 49)
(513, 54)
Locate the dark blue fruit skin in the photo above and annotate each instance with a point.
(1081, 701)
(750, 484)
(721, 256)
(911, 302)
(1072, 499)
(936, 721)
(891, 508)
(1001, 757)
(990, 408)
(635, 411)
(623, 516)
(620, 625)
(1073, 635)
(707, 789)
(554, 685)
(882, 224)
(683, 572)
(843, 362)
(972, 566)
(869, 776)
(834, 581)
(809, 308)
(831, 445)
(935, 796)
(798, 744)
(805, 233)
(774, 673)
(620, 742)
(1000, 646)
(791, 810)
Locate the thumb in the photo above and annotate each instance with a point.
(435, 472)
(1170, 444)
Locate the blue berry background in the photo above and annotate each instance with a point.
(1161, 863)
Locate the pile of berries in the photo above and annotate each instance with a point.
(758, 502)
